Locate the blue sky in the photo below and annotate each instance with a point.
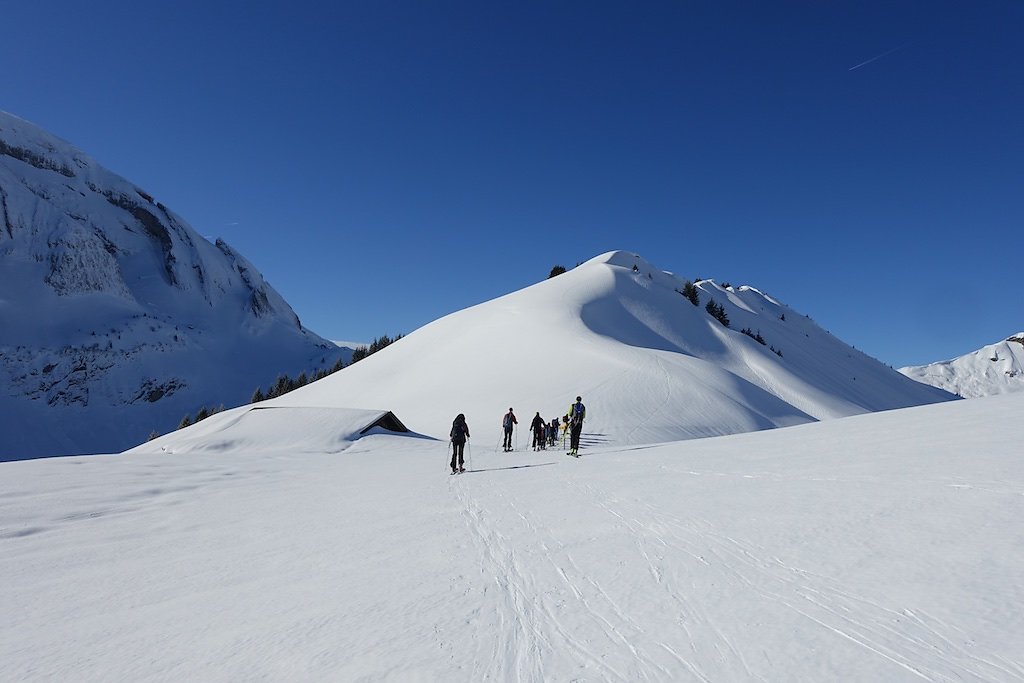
(386, 163)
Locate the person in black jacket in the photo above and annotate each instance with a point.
(459, 434)
(538, 426)
(577, 413)
(507, 423)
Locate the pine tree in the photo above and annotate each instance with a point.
(691, 292)
(557, 270)
(717, 311)
(257, 396)
(185, 422)
(282, 386)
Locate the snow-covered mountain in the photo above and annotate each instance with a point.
(116, 317)
(649, 364)
(994, 369)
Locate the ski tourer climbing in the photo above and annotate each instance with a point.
(459, 434)
(577, 413)
(508, 423)
(538, 427)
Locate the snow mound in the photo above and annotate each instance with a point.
(649, 365)
(276, 428)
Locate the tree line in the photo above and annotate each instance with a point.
(284, 383)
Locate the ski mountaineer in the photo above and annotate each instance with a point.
(553, 431)
(538, 427)
(459, 434)
(507, 423)
(577, 413)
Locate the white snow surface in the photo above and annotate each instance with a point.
(991, 370)
(878, 547)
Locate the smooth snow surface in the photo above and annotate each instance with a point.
(880, 547)
(993, 369)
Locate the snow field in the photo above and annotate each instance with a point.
(876, 547)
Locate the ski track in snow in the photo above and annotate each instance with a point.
(598, 628)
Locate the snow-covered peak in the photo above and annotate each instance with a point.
(650, 365)
(994, 369)
(116, 317)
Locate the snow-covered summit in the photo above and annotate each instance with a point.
(616, 330)
(994, 369)
(116, 317)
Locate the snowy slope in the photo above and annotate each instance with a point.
(650, 366)
(879, 547)
(116, 317)
(994, 369)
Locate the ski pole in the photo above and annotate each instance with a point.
(469, 454)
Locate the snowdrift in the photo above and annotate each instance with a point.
(277, 428)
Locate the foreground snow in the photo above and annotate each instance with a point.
(877, 547)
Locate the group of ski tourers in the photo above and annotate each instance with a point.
(544, 433)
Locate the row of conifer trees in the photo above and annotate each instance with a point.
(283, 384)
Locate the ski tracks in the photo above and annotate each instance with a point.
(570, 619)
(656, 597)
(512, 648)
(920, 645)
(693, 638)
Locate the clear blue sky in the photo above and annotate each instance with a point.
(385, 163)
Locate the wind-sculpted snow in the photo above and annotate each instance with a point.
(879, 547)
(107, 296)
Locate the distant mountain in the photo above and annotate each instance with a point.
(116, 317)
(650, 365)
(994, 369)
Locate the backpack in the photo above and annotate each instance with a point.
(578, 411)
(459, 431)
(507, 422)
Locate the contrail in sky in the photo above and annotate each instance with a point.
(889, 52)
